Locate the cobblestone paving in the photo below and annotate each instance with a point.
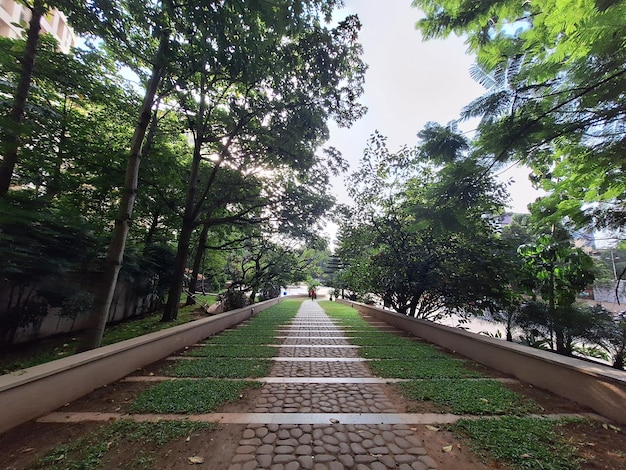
(319, 369)
(323, 398)
(317, 352)
(315, 341)
(332, 446)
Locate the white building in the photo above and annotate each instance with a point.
(54, 22)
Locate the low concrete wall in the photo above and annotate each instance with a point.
(599, 387)
(32, 392)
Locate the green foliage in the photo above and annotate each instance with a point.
(422, 234)
(236, 350)
(400, 350)
(190, 396)
(222, 368)
(473, 397)
(525, 443)
(91, 451)
(554, 73)
(442, 368)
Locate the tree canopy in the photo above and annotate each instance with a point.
(555, 77)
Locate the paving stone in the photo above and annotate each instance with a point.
(306, 461)
(405, 458)
(368, 443)
(292, 466)
(394, 449)
(242, 458)
(364, 458)
(283, 458)
(322, 458)
(287, 442)
(389, 461)
(379, 441)
(428, 461)
(246, 449)
(265, 449)
(305, 439)
(347, 460)
(419, 466)
(335, 466)
(331, 449)
(249, 434)
(378, 466)
(264, 461)
(379, 450)
(251, 465)
(269, 439)
(250, 442)
(304, 450)
(284, 449)
(261, 432)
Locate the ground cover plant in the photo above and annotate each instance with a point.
(473, 397)
(235, 350)
(448, 368)
(412, 350)
(190, 396)
(524, 442)
(95, 449)
(225, 368)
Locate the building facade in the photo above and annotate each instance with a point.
(14, 17)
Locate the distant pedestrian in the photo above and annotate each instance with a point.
(313, 294)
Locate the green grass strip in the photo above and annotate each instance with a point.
(221, 368)
(231, 338)
(92, 451)
(413, 350)
(474, 397)
(190, 396)
(525, 443)
(238, 350)
(447, 368)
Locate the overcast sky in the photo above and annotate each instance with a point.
(410, 82)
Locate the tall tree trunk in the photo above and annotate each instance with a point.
(192, 210)
(16, 116)
(197, 264)
(170, 312)
(115, 255)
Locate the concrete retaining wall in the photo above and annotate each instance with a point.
(32, 392)
(599, 387)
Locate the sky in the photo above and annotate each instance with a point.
(410, 82)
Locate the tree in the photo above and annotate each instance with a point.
(264, 115)
(558, 272)
(563, 110)
(425, 243)
(12, 125)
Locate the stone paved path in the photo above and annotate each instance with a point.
(314, 349)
